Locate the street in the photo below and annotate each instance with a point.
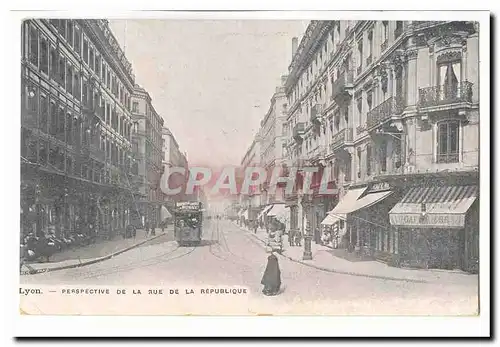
(229, 256)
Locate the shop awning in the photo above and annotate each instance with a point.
(164, 213)
(280, 212)
(330, 219)
(347, 203)
(443, 207)
(370, 200)
(265, 210)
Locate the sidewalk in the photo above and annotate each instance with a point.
(324, 259)
(93, 253)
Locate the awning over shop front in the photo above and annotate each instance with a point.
(330, 219)
(346, 204)
(265, 210)
(280, 212)
(164, 213)
(431, 207)
(245, 214)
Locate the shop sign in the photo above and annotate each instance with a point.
(379, 187)
(428, 220)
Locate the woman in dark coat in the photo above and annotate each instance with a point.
(272, 276)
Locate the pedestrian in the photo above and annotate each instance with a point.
(255, 227)
(163, 227)
(291, 237)
(153, 229)
(298, 238)
(272, 276)
(146, 226)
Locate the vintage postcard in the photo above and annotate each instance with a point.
(252, 166)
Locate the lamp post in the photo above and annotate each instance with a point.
(307, 237)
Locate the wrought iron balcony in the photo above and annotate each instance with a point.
(387, 109)
(384, 45)
(341, 138)
(426, 24)
(446, 158)
(445, 94)
(343, 84)
(298, 131)
(369, 60)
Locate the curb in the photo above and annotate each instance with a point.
(88, 262)
(340, 271)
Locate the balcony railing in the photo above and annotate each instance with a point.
(384, 111)
(384, 45)
(341, 138)
(426, 24)
(446, 158)
(298, 131)
(343, 82)
(445, 94)
(369, 60)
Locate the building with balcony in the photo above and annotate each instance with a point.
(401, 121)
(272, 144)
(250, 203)
(174, 157)
(75, 128)
(147, 146)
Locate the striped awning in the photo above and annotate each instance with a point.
(265, 210)
(280, 212)
(441, 206)
(347, 203)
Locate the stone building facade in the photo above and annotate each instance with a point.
(75, 128)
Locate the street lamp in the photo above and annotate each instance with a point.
(307, 238)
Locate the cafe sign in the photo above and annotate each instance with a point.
(428, 220)
(379, 187)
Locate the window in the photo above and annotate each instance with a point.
(77, 42)
(135, 107)
(85, 51)
(53, 119)
(60, 124)
(359, 162)
(33, 46)
(32, 99)
(399, 29)
(98, 65)
(449, 80)
(448, 145)
(383, 156)
(108, 79)
(368, 160)
(70, 32)
(84, 93)
(370, 47)
(69, 138)
(69, 79)
(62, 27)
(44, 112)
(91, 59)
(360, 55)
(44, 55)
(76, 89)
(385, 34)
(53, 63)
(62, 72)
(359, 104)
(369, 99)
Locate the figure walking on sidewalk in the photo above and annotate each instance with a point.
(272, 276)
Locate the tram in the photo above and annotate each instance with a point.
(188, 220)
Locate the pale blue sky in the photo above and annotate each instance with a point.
(211, 81)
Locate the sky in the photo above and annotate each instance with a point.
(211, 81)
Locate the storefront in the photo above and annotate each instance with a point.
(281, 213)
(360, 220)
(438, 227)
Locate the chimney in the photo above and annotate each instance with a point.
(283, 79)
(295, 44)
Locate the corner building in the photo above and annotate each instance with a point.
(395, 107)
(75, 128)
